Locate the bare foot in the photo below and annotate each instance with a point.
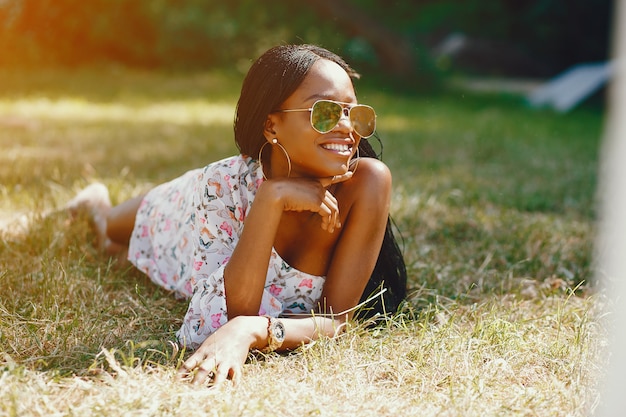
(94, 201)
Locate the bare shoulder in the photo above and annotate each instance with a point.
(369, 186)
(372, 173)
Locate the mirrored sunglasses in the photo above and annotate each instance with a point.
(325, 115)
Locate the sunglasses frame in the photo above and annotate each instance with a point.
(343, 105)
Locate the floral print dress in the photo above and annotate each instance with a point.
(185, 232)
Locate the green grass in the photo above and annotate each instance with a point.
(495, 207)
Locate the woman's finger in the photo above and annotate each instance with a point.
(221, 374)
(225, 372)
(335, 179)
(206, 371)
(334, 220)
(328, 212)
(235, 374)
(187, 367)
(324, 213)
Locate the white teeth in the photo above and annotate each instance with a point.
(336, 147)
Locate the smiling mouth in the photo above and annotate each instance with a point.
(337, 147)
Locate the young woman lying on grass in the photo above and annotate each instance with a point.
(277, 245)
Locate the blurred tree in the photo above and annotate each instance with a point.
(555, 33)
(562, 32)
(388, 36)
(73, 32)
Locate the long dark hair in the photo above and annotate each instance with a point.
(272, 78)
(390, 270)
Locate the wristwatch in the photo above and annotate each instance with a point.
(275, 334)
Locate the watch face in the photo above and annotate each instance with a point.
(279, 331)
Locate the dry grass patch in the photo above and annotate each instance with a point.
(494, 203)
(503, 357)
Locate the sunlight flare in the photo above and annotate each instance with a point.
(73, 109)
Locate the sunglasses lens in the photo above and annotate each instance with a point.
(363, 119)
(325, 115)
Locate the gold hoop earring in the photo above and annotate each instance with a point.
(260, 161)
(282, 148)
(354, 161)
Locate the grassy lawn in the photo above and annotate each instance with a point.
(494, 204)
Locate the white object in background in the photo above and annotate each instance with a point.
(568, 89)
(611, 242)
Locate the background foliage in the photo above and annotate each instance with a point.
(207, 33)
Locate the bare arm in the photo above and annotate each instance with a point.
(223, 353)
(245, 272)
(363, 230)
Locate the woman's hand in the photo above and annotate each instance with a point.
(222, 355)
(306, 194)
